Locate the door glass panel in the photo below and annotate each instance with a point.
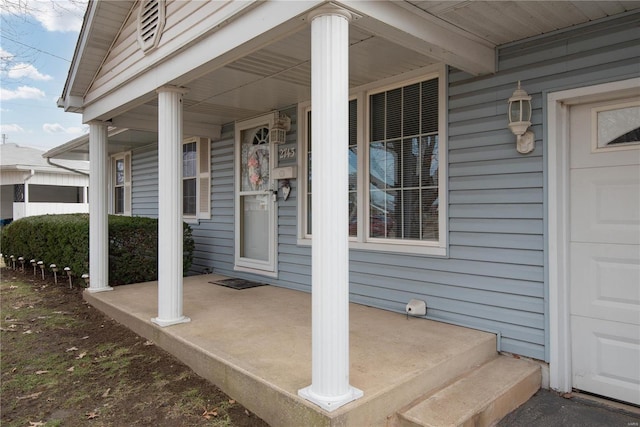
(256, 200)
(255, 160)
(255, 226)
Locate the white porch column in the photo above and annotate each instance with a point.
(170, 232)
(98, 209)
(330, 386)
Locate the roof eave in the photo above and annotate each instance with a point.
(67, 101)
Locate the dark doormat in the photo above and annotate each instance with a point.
(238, 283)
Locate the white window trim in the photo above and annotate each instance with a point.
(363, 241)
(203, 180)
(126, 157)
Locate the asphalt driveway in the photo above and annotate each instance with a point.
(549, 409)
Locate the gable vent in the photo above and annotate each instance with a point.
(151, 17)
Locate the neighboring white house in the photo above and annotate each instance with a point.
(418, 189)
(30, 185)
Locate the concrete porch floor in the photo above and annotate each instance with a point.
(255, 344)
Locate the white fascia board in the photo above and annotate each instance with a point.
(254, 29)
(415, 29)
(70, 104)
(60, 150)
(66, 100)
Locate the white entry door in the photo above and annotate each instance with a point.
(605, 248)
(255, 199)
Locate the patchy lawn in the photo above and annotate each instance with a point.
(65, 364)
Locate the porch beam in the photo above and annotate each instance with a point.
(330, 388)
(142, 118)
(98, 209)
(170, 233)
(411, 27)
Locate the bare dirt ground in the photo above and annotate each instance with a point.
(64, 363)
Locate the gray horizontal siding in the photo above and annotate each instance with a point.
(144, 182)
(215, 244)
(497, 199)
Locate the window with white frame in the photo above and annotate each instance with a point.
(189, 178)
(353, 170)
(403, 163)
(121, 184)
(395, 169)
(196, 178)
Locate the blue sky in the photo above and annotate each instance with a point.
(37, 41)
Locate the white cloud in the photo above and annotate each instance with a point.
(22, 70)
(23, 92)
(53, 15)
(10, 128)
(5, 56)
(58, 15)
(58, 128)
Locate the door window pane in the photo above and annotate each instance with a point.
(618, 126)
(255, 160)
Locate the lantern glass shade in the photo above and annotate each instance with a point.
(519, 111)
(281, 125)
(278, 135)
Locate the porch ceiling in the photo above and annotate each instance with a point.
(278, 76)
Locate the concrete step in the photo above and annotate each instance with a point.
(480, 398)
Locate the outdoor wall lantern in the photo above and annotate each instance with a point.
(281, 125)
(520, 120)
(54, 268)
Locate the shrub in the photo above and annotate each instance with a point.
(64, 240)
(59, 239)
(133, 249)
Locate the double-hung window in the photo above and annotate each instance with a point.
(396, 159)
(196, 178)
(121, 184)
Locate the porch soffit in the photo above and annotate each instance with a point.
(102, 23)
(501, 22)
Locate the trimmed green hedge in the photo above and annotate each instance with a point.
(64, 240)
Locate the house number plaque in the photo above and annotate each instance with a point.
(287, 153)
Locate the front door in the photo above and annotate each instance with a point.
(605, 248)
(255, 199)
